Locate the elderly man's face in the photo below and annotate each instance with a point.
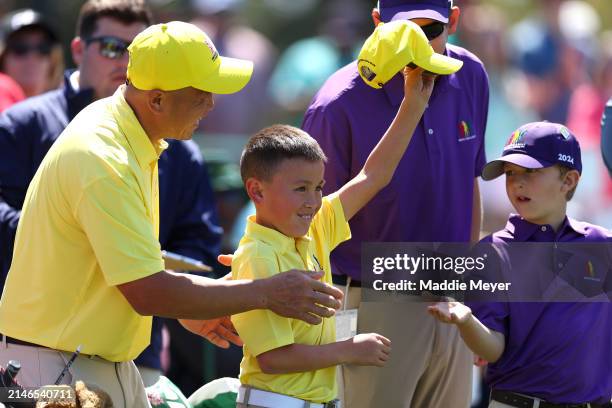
(183, 110)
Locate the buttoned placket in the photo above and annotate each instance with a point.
(301, 246)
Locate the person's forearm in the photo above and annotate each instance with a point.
(296, 358)
(484, 342)
(176, 295)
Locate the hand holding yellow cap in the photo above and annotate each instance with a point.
(396, 44)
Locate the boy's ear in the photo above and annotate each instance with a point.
(375, 16)
(254, 189)
(570, 180)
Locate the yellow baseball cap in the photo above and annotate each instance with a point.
(396, 44)
(177, 55)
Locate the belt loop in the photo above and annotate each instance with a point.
(536, 403)
(306, 404)
(247, 395)
(346, 294)
(4, 346)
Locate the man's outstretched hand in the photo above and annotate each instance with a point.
(219, 332)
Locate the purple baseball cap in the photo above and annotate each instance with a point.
(537, 145)
(391, 10)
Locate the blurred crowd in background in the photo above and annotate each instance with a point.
(546, 60)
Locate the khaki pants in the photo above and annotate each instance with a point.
(41, 366)
(430, 366)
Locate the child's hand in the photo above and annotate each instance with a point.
(418, 85)
(450, 312)
(368, 349)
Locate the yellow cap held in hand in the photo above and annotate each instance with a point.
(178, 55)
(394, 45)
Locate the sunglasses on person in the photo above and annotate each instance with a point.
(433, 30)
(110, 47)
(22, 49)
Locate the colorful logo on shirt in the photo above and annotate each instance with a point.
(465, 131)
(590, 272)
(514, 142)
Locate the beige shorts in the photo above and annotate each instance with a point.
(42, 366)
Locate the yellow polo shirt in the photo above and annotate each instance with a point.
(89, 222)
(264, 252)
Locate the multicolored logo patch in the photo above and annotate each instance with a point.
(589, 269)
(590, 272)
(514, 142)
(465, 131)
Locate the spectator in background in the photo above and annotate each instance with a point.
(30, 52)
(234, 38)
(307, 63)
(586, 109)
(484, 30)
(10, 92)
(539, 61)
(606, 136)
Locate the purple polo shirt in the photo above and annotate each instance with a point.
(430, 196)
(559, 352)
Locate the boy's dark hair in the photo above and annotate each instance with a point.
(267, 148)
(564, 170)
(125, 11)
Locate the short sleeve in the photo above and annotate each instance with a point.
(494, 315)
(330, 221)
(122, 236)
(261, 330)
(481, 158)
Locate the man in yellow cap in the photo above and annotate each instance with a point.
(86, 246)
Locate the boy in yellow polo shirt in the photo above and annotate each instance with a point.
(288, 363)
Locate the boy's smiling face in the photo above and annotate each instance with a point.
(289, 201)
(538, 195)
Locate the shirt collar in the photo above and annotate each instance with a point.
(279, 241)
(522, 230)
(394, 88)
(77, 99)
(146, 153)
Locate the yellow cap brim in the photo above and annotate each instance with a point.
(233, 75)
(439, 64)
